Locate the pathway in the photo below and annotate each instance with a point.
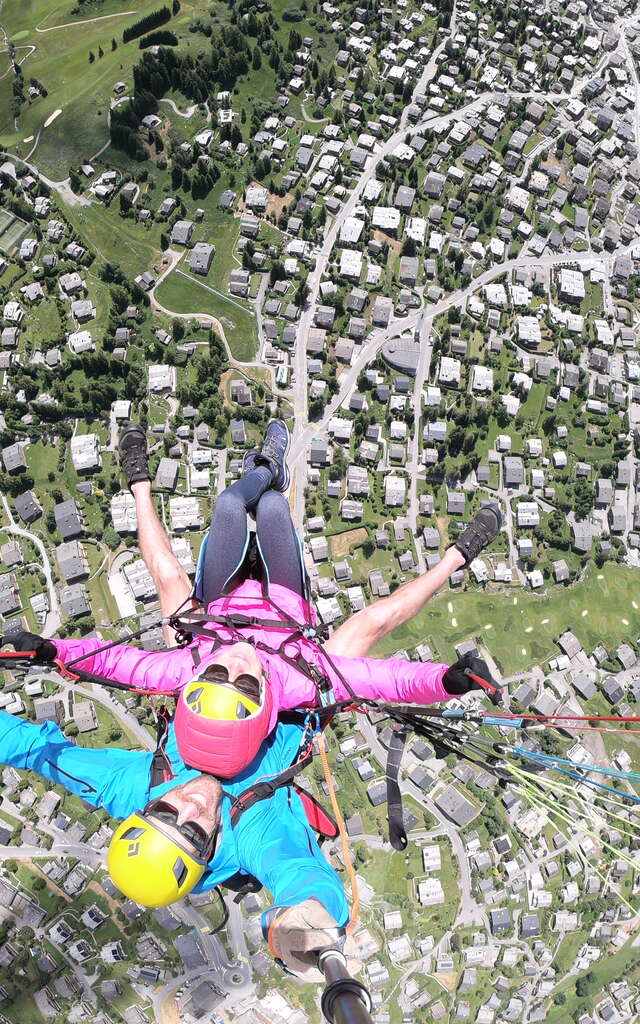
(189, 112)
(53, 619)
(86, 21)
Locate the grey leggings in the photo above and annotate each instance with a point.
(228, 538)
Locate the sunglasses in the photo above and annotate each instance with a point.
(246, 684)
(193, 833)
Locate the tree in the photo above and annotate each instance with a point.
(111, 538)
(114, 45)
(92, 56)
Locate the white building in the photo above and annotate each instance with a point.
(162, 377)
(450, 370)
(123, 513)
(529, 331)
(571, 285)
(482, 379)
(431, 858)
(528, 513)
(186, 514)
(395, 490)
(85, 452)
(387, 218)
(430, 892)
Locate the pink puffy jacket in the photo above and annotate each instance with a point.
(165, 671)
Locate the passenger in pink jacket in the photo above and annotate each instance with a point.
(268, 680)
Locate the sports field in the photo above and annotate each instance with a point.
(12, 230)
(520, 628)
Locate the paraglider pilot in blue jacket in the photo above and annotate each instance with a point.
(272, 840)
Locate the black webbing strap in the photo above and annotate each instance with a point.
(397, 834)
(266, 789)
(161, 766)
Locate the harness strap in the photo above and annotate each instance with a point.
(161, 770)
(263, 790)
(397, 834)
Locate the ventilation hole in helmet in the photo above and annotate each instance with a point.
(194, 695)
(242, 711)
(133, 833)
(180, 871)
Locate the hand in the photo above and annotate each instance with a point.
(24, 642)
(458, 679)
(297, 934)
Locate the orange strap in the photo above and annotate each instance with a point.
(354, 913)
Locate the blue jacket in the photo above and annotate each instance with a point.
(272, 840)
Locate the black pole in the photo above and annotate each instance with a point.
(345, 1000)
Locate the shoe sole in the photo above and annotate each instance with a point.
(128, 432)
(287, 474)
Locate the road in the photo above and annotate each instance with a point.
(423, 330)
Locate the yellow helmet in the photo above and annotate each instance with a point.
(148, 866)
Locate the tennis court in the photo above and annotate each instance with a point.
(12, 230)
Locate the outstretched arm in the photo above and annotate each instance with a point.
(115, 779)
(363, 630)
(156, 672)
(389, 679)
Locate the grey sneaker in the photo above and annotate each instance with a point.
(132, 447)
(273, 453)
(484, 528)
(249, 461)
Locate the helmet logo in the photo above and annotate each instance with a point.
(134, 849)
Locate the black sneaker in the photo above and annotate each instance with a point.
(132, 447)
(484, 528)
(273, 453)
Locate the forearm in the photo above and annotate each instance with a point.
(362, 631)
(391, 679)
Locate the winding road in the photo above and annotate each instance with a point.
(53, 619)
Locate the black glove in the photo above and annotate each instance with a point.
(24, 642)
(458, 678)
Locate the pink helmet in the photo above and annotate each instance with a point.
(218, 728)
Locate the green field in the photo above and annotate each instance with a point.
(605, 595)
(82, 90)
(182, 294)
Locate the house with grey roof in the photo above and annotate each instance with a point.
(456, 503)
(181, 232)
(166, 476)
(13, 458)
(200, 257)
(9, 594)
(582, 536)
(72, 561)
(68, 519)
(456, 807)
(27, 507)
(513, 471)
